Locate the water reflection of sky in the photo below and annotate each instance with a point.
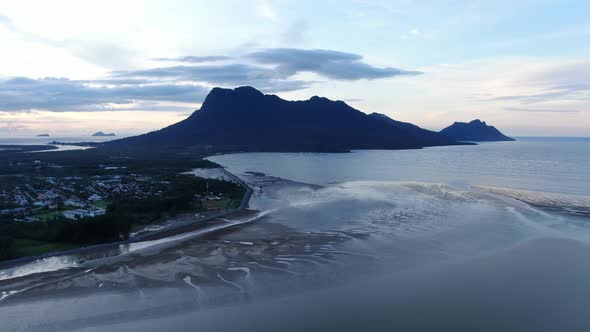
(553, 165)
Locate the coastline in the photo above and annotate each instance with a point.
(194, 272)
(565, 204)
(153, 235)
(208, 224)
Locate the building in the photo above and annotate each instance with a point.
(95, 198)
(75, 202)
(49, 194)
(83, 213)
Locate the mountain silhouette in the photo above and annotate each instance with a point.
(245, 119)
(474, 131)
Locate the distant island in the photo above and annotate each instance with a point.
(474, 131)
(42, 135)
(245, 119)
(101, 134)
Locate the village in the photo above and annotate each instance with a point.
(74, 197)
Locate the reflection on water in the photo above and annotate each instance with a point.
(62, 147)
(549, 165)
(46, 140)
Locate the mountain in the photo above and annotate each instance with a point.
(245, 119)
(427, 137)
(474, 131)
(42, 135)
(101, 134)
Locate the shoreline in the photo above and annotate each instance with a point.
(157, 234)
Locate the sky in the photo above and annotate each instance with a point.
(71, 68)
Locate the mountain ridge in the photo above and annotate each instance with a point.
(245, 119)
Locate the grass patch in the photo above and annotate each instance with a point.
(101, 204)
(26, 247)
(225, 203)
(49, 215)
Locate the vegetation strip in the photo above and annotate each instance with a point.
(152, 235)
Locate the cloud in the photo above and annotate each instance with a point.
(413, 32)
(328, 63)
(573, 92)
(273, 70)
(118, 81)
(517, 109)
(547, 82)
(195, 59)
(295, 33)
(61, 94)
(266, 10)
(534, 98)
(208, 73)
(269, 70)
(6, 22)
(106, 54)
(230, 75)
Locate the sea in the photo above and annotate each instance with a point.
(63, 146)
(454, 201)
(559, 165)
(27, 140)
(489, 237)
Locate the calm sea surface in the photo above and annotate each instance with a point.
(46, 140)
(560, 165)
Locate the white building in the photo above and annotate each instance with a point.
(82, 213)
(74, 202)
(95, 198)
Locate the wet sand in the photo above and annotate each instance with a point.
(538, 286)
(567, 204)
(220, 262)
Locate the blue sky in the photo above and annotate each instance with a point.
(73, 67)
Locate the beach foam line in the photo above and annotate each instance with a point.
(139, 246)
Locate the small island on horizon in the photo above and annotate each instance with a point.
(475, 131)
(42, 135)
(101, 134)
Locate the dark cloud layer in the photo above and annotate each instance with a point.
(61, 94)
(230, 75)
(269, 70)
(331, 64)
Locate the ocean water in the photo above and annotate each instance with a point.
(46, 140)
(459, 200)
(560, 165)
